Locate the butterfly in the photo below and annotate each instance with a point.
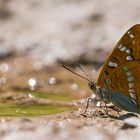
(119, 79)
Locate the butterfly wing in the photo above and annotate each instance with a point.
(126, 50)
(126, 80)
(124, 102)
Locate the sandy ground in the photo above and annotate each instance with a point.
(71, 125)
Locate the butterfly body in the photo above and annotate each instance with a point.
(118, 99)
(119, 79)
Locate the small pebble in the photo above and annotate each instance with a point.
(131, 122)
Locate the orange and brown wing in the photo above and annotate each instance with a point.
(126, 50)
(126, 79)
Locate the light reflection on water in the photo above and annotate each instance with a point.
(4, 67)
(74, 87)
(30, 95)
(52, 81)
(32, 83)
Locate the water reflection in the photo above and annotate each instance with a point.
(32, 83)
(74, 87)
(30, 95)
(4, 67)
(52, 81)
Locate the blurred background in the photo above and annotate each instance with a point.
(37, 36)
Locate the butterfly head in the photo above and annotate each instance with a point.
(92, 85)
(101, 93)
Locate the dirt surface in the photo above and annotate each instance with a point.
(71, 125)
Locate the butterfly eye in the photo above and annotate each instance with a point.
(91, 85)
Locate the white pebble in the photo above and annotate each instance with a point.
(132, 121)
(98, 104)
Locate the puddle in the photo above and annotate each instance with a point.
(9, 109)
(49, 96)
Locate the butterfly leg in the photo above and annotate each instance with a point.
(106, 109)
(83, 114)
(117, 110)
(118, 113)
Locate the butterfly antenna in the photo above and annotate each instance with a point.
(78, 65)
(75, 73)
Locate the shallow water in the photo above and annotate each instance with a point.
(9, 109)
